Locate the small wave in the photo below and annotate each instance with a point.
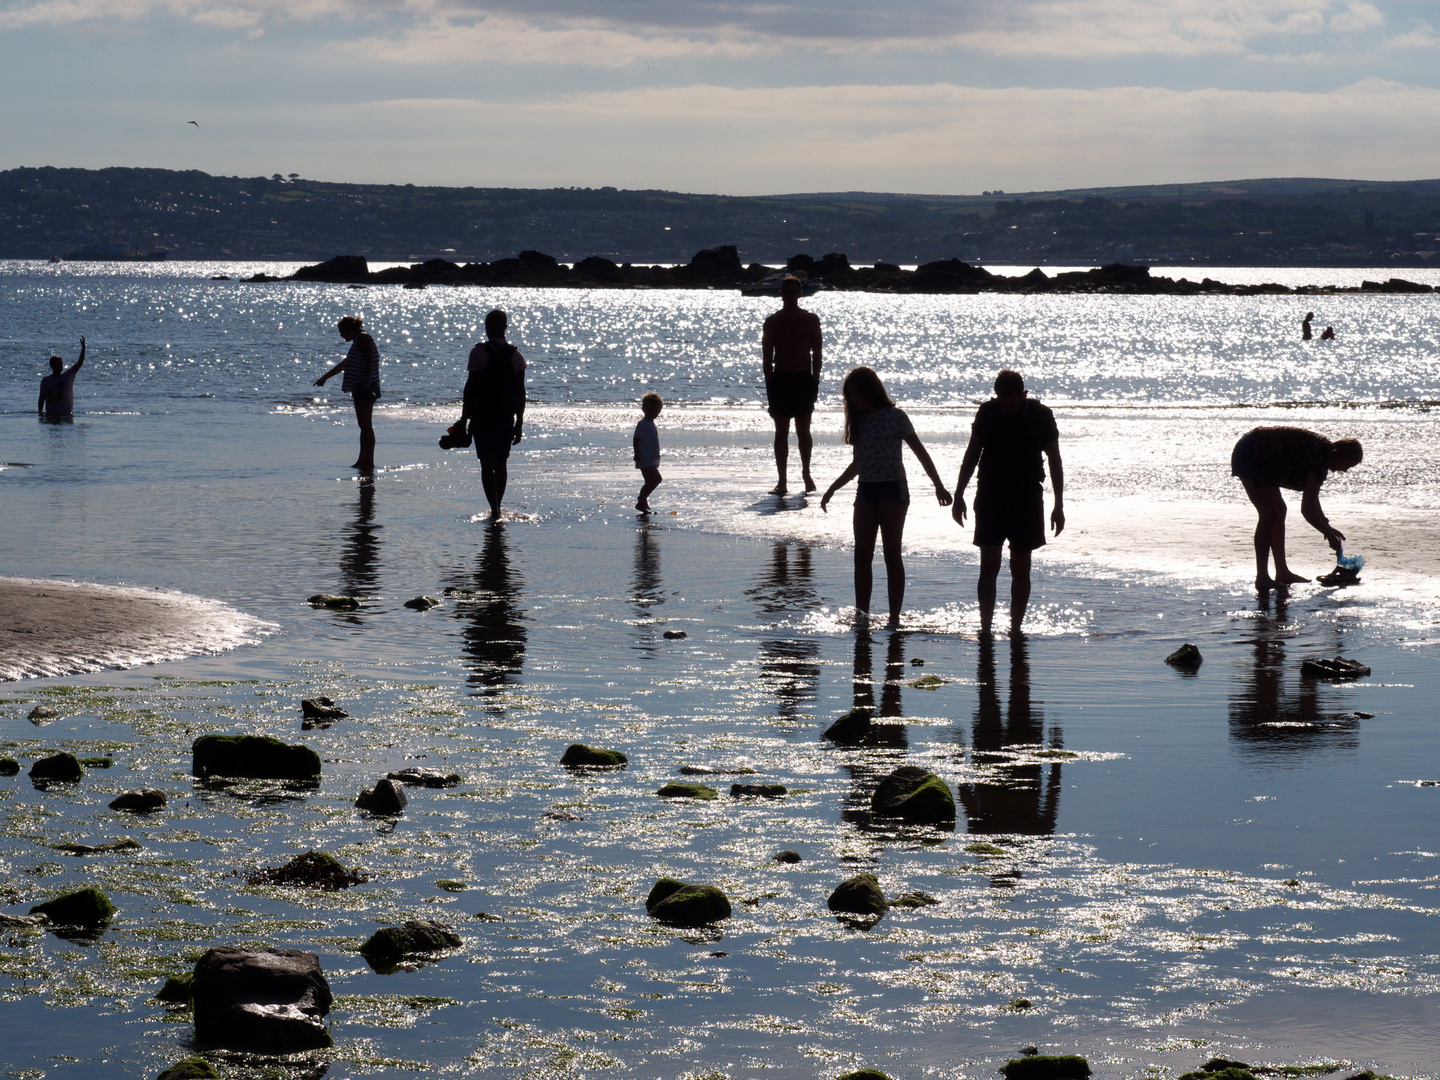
(52, 628)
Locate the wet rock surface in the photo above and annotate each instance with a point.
(271, 1001)
(422, 603)
(125, 844)
(852, 728)
(87, 908)
(1187, 657)
(9, 766)
(313, 870)
(1337, 669)
(915, 796)
(417, 936)
(254, 756)
(191, 1068)
(1046, 1067)
(578, 755)
(139, 800)
(758, 791)
(788, 855)
(60, 768)
(859, 895)
(386, 797)
(334, 603)
(431, 778)
(321, 710)
(679, 904)
(677, 790)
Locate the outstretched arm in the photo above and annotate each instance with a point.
(967, 470)
(913, 441)
(844, 478)
(331, 373)
(1311, 512)
(1057, 479)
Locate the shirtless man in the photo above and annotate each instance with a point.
(790, 346)
(57, 390)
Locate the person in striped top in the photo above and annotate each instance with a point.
(361, 381)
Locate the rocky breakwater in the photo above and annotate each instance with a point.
(721, 268)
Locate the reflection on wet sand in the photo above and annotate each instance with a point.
(493, 639)
(788, 666)
(645, 591)
(360, 552)
(1275, 712)
(1014, 799)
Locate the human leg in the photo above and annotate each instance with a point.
(493, 474)
(782, 451)
(1019, 587)
(892, 529)
(652, 479)
(802, 436)
(990, 556)
(867, 523)
(364, 411)
(1269, 535)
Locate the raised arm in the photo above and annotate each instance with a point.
(923, 456)
(1311, 512)
(1057, 480)
(76, 366)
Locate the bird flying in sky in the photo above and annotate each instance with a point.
(195, 122)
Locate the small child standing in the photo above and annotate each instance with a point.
(647, 449)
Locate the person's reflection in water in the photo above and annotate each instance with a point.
(788, 665)
(645, 592)
(866, 773)
(494, 637)
(1269, 719)
(360, 554)
(1015, 799)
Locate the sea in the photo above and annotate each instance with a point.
(1151, 867)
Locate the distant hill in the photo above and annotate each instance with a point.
(1279, 221)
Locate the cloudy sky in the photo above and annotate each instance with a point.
(729, 96)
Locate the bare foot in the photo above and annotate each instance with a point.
(893, 623)
(778, 489)
(1263, 584)
(809, 483)
(1290, 578)
(644, 508)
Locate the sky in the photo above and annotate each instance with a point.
(728, 96)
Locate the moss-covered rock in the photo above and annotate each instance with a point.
(313, 870)
(678, 904)
(927, 682)
(254, 756)
(126, 843)
(676, 790)
(61, 767)
(854, 727)
(334, 603)
(176, 989)
(140, 800)
(97, 762)
(9, 766)
(914, 899)
(417, 936)
(758, 791)
(191, 1068)
(579, 756)
(88, 907)
(982, 848)
(859, 895)
(1230, 1072)
(915, 796)
(1046, 1067)
(788, 856)
(864, 1074)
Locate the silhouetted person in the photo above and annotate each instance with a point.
(362, 382)
(495, 406)
(1269, 458)
(647, 450)
(1328, 334)
(1305, 334)
(57, 390)
(877, 429)
(1009, 434)
(790, 352)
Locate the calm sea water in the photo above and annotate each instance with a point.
(1240, 862)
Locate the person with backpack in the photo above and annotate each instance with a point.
(495, 405)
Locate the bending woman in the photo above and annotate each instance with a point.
(1269, 458)
(362, 382)
(875, 426)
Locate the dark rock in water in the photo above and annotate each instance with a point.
(927, 682)
(42, 712)
(392, 943)
(675, 635)
(716, 770)
(561, 815)
(342, 268)
(313, 870)
(916, 899)
(321, 708)
(140, 800)
(854, 727)
(761, 791)
(271, 1001)
(1186, 656)
(422, 603)
(9, 766)
(386, 797)
(675, 790)
(578, 755)
(678, 904)
(89, 908)
(334, 603)
(256, 756)
(864, 1074)
(191, 1068)
(917, 662)
(176, 989)
(914, 796)
(788, 856)
(62, 767)
(1336, 670)
(432, 778)
(127, 844)
(1219, 1064)
(859, 895)
(1230, 1072)
(1046, 1067)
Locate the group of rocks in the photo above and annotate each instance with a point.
(1331, 669)
(721, 268)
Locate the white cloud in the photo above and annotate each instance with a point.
(1356, 18)
(1423, 36)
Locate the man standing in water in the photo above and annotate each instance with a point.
(495, 405)
(790, 349)
(1008, 436)
(57, 390)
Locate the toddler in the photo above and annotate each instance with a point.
(647, 449)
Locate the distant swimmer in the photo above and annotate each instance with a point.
(1329, 334)
(362, 382)
(57, 390)
(1305, 334)
(790, 350)
(1269, 458)
(1007, 438)
(494, 405)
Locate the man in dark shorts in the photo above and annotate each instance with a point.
(495, 405)
(1008, 436)
(790, 349)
